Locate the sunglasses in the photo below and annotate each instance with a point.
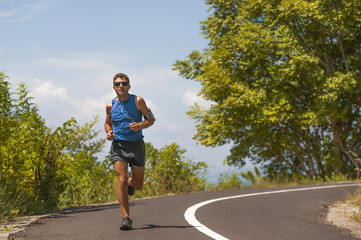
(117, 84)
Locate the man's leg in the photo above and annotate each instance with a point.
(121, 170)
(137, 178)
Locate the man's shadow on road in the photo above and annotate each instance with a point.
(81, 209)
(153, 226)
(91, 208)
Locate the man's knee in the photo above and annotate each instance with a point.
(122, 178)
(122, 182)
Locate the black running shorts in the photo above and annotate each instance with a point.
(132, 152)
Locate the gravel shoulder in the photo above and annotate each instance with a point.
(12, 227)
(339, 215)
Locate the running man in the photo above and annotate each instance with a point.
(123, 126)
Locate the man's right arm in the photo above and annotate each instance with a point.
(108, 122)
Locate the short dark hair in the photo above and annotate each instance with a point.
(121, 76)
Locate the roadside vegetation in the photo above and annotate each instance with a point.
(283, 82)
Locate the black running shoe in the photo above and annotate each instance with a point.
(131, 190)
(126, 224)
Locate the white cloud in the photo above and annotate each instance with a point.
(23, 10)
(5, 14)
(47, 96)
(151, 104)
(85, 109)
(84, 60)
(35, 5)
(97, 67)
(191, 97)
(44, 90)
(79, 64)
(90, 73)
(173, 127)
(152, 76)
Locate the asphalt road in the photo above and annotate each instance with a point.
(251, 214)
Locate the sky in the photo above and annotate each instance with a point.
(67, 52)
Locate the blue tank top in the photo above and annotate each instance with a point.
(122, 114)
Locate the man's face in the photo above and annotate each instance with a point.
(121, 85)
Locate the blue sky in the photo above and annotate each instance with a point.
(67, 52)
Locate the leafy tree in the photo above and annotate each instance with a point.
(283, 78)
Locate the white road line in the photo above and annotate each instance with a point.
(189, 215)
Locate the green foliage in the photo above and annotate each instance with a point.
(256, 179)
(85, 179)
(168, 172)
(88, 183)
(12, 201)
(228, 181)
(297, 179)
(252, 178)
(234, 181)
(43, 169)
(283, 78)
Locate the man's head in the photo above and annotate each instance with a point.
(121, 76)
(121, 83)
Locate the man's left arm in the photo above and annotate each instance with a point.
(142, 107)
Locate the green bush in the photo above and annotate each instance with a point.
(13, 203)
(42, 169)
(228, 181)
(168, 172)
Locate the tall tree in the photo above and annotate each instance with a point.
(284, 80)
